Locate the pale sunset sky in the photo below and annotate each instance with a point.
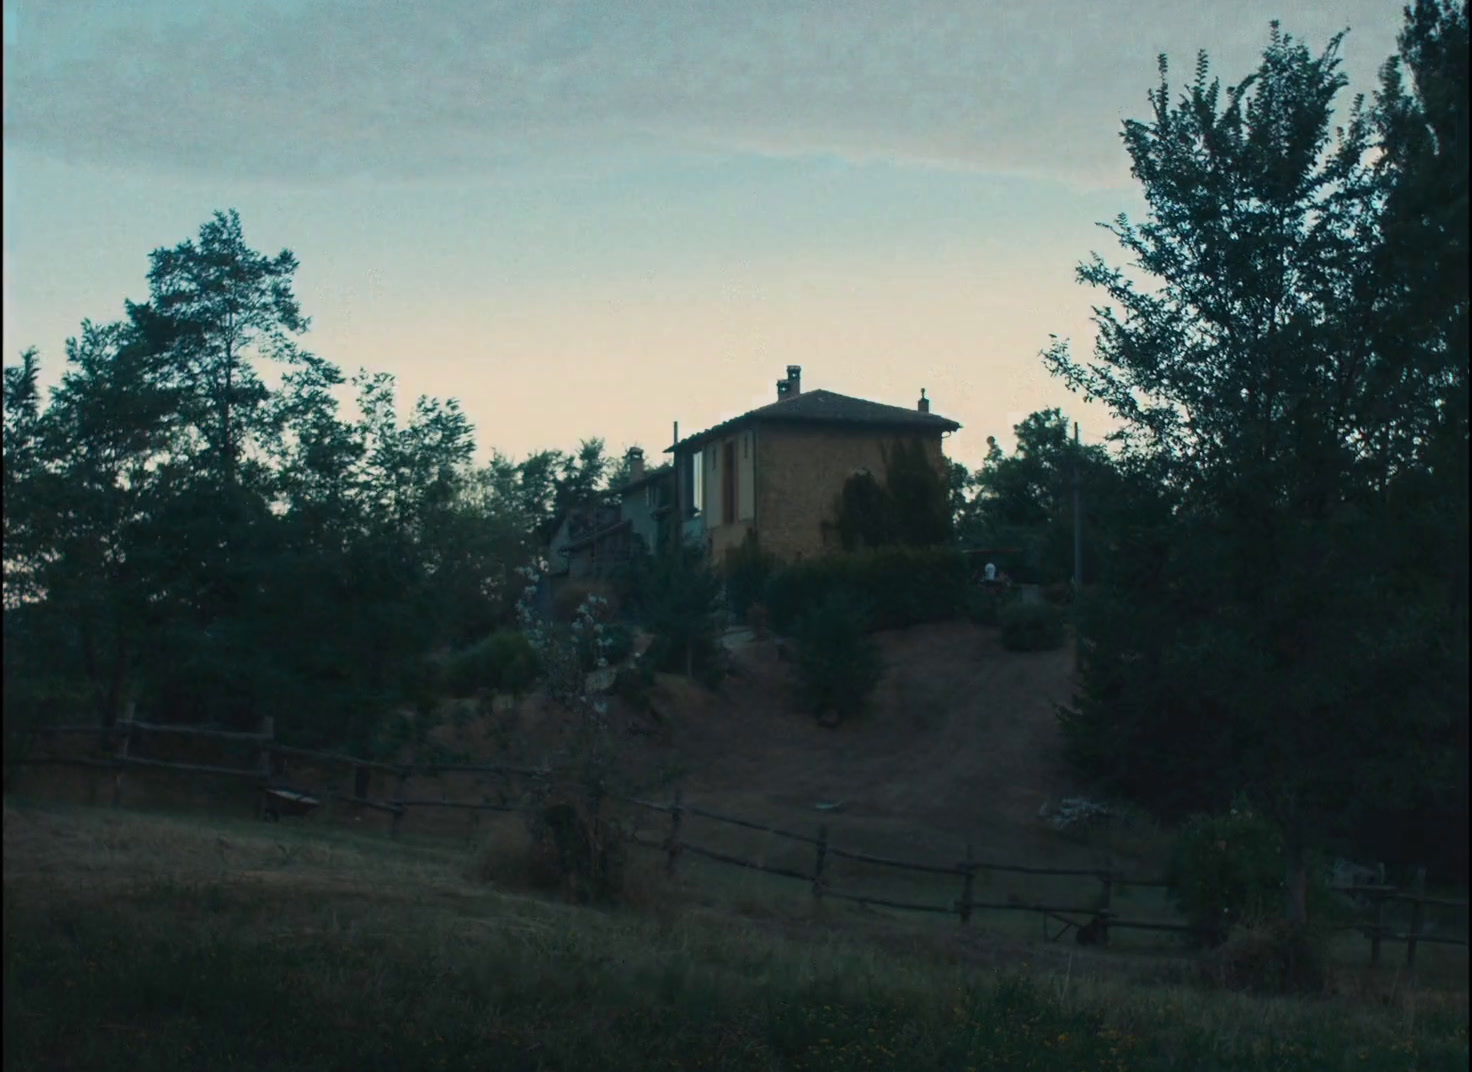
(600, 217)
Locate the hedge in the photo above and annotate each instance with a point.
(900, 586)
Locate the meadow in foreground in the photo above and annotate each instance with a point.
(136, 940)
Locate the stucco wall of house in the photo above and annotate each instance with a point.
(726, 533)
(641, 507)
(800, 472)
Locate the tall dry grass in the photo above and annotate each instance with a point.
(136, 940)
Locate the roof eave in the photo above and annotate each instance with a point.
(939, 426)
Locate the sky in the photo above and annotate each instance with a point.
(592, 218)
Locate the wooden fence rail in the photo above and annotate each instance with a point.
(122, 734)
(1100, 918)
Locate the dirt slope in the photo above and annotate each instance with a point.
(961, 740)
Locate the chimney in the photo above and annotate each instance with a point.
(794, 379)
(924, 405)
(635, 458)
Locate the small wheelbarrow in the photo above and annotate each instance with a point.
(276, 802)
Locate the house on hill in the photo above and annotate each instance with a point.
(778, 470)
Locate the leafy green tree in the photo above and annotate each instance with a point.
(912, 508)
(1025, 500)
(580, 481)
(918, 495)
(676, 600)
(96, 470)
(1276, 632)
(838, 662)
(181, 535)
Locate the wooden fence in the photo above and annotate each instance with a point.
(1092, 924)
(118, 740)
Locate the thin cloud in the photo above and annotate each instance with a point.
(457, 88)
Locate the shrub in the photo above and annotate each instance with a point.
(614, 643)
(746, 575)
(618, 643)
(1031, 627)
(1226, 868)
(677, 599)
(1059, 593)
(571, 595)
(634, 684)
(584, 849)
(1272, 957)
(838, 663)
(901, 586)
(982, 606)
(503, 661)
(911, 508)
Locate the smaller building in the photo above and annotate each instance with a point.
(592, 541)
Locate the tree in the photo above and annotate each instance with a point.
(675, 598)
(1025, 500)
(617, 474)
(580, 481)
(839, 664)
(95, 467)
(912, 508)
(183, 536)
(210, 304)
(22, 405)
(1273, 633)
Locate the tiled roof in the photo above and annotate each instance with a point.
(650, 475)
(827, 407)
(591, 538)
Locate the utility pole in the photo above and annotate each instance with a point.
(1078, 544)
(1078, 521)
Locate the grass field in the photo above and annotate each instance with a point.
(169, 941)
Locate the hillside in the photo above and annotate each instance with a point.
(959, 743)
(961, 738)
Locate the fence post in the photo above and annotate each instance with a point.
(672, 843)
(268, 731)
(399, 783)
(968, 886)
(1418, 908)
(1379, 928)
(122, 754)
(819, 859)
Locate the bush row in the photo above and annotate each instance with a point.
(900, 586)
(503, 662)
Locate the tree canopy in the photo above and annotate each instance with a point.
(1286, 351)
(182, 535)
